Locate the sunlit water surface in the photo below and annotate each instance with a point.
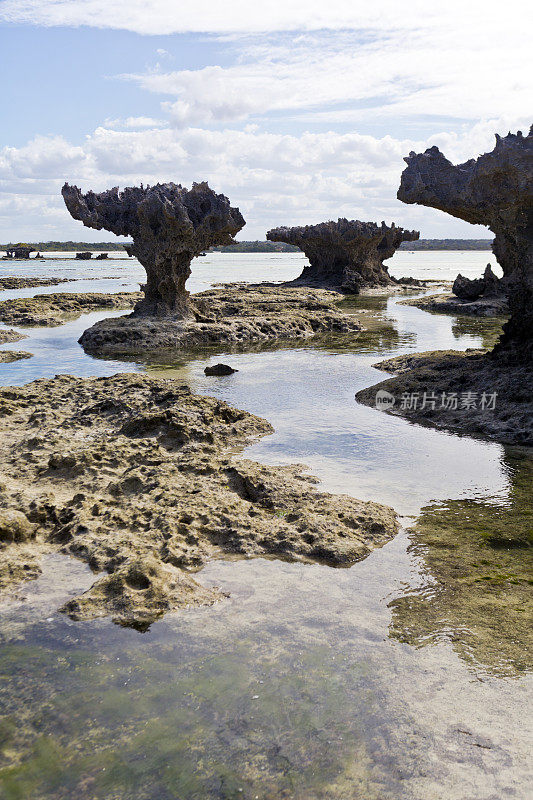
(308, 682)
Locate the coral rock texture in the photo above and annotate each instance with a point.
(169, 224)
(347, 254)
(139, 478)
(496, 190)
(236, 314)
(56, 309)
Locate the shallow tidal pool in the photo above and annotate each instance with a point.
(406, 676)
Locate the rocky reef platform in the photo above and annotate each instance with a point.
(12, 282)
(55, 309)
(138, 477)
(235, 313)
(483, 396)
(451, 304)
(9, 335)
(8, 356)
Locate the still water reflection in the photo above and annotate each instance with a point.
(401, 677)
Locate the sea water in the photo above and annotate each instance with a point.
(390, 679)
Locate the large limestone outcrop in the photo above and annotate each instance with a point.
(232, 315)
(347, 254)
(170, 225)
(496, 190)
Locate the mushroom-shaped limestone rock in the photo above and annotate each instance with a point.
(347, 254)
(496, 190)
(169, 224)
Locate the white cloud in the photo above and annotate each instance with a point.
(136, 122)
(275, 179)
(339, 76)
(241, 16)
(297, 61)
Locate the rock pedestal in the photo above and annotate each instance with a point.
(169, 224)
(347, 254)
(496, 190)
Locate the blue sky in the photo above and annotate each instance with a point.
(298, 114)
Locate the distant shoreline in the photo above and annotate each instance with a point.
(255, 246)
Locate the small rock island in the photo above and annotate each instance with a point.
(347, 254)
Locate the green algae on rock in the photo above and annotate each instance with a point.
(55, 309)
(478, 560)
(135, 476)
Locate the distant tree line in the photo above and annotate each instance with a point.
(256, 247)
(447, 244)
(262, 247)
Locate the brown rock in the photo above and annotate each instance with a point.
(137, 476)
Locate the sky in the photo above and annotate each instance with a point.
(299, 112)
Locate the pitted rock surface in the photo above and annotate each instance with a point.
(169, 224)
(496, 190)
(138, 477)
(347, 254)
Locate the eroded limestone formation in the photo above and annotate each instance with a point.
(347, 254)
(169, 224)
(495, 190)
(471, 289)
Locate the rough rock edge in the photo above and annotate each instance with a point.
(450, 304)
(496, 190)
(169, 224)
(8, 335)
(489, 285)
(49, 310)
(137, 477)
(15, 282)
(8, 356)
(346, 255)
(472, 371)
